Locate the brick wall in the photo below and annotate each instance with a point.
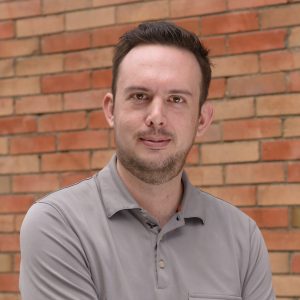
(55, 59)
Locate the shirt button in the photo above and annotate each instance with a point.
(162, 264)
(178, 218)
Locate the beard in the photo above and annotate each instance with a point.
(152, 172)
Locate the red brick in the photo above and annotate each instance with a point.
(6, 106)
(84, 100)
(65, 161)
(15, 203)
(110, 2)
(7, 30)
(217, 88)
(292, 127)
(229, 152)
(65, 42)
(282, 240)
(280, 194)
(39, 104)
(6, 223)
(73, 177)
(19, 164)
(4, 184)
(55, 6)
(5, 263)
(236, 195)
(257, 41)
(109, 36)
(101, 158)
(18, 222)
(9, 243)
(6, 68)
(279, 262)
(40, 25)
(9, 282)
(280, 61)
(17, 260)
(294, 172)
(3, 146)
(281, 150)
(142, 11)
(102, 78)
(295, 263)
(215, 45)
(66, 82)
(63, 121)
(19, 86)
(232, 22)
(269, 217)
(213, 134)
(205, 175)
(35, 144)
(17, 9)
(35, 183)
(12, 48)
(294, 82)
(9, 296)
(40, 65)
(97, 120)
(89, 59)
(233, 109)
(281, 16)
(13, 125)
(256, 84)
(254, 173)
(251, 129)
(235, 65)
(182, 8)
(286, 285)
(287, 104)
(294, 37)
(191, 24)
(237, 4)
(83, 140)
(90, 18)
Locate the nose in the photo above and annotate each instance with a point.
(156, 113)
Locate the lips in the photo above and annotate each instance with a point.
(155, 143)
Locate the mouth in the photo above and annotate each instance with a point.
(155, 143)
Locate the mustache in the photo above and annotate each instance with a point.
(153, 132)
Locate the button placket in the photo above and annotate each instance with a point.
(161, 265)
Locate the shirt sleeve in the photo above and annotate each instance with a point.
(258, 280)
(53, 262)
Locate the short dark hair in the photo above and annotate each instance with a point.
(164, 33)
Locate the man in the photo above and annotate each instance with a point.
(138, 229)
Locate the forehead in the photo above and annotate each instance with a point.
(159, 63)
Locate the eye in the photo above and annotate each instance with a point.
(140, 96)
(176, 99)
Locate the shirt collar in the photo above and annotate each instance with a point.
(116, 197)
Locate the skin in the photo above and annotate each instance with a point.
(155, 115)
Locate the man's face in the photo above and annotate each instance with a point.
(156, 111)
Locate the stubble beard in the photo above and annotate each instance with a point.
(152, 172)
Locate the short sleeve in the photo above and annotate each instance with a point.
(53, 262)
(258, 281)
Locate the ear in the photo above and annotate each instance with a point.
(205, 118)
(108, 108)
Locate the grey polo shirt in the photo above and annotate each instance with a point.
(92, 241)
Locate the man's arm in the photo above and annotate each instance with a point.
(258, 280)
(53, 263)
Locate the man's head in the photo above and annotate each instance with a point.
(154, 108)
(163, 33)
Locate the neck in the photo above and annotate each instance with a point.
(161, 201)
